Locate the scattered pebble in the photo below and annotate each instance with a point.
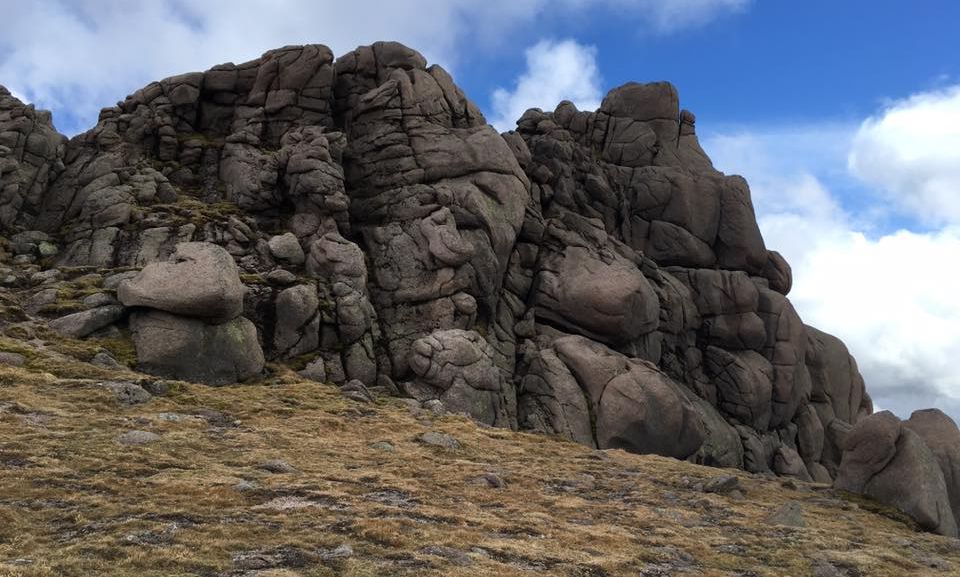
(439, 440)
(356, 391)
(383, 446)
(721, 484)
(127, 393)
(315, 371)
(287, 504)
(137, 437)
(246, 486)
(156, 388)
(105, 361)
(491, 480)
(789, 484)
(343, 551)
(454, 556)
(269, 559)
(790, 514)
(435, 406)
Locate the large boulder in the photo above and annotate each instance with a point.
(601, 295)
(941, 435)
(297, 324)
(456, 367)
(199, 280)
(889, 462)
(189, 349)
(624, 402)
(551, 400)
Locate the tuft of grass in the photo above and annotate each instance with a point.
(61, 307)
(200, 137)
(253, 278)
(190, 210)
(14, 345)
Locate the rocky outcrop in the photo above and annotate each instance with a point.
(31, 158)
(913, 465)
(457, 368)
(589, 274)
(85, 323)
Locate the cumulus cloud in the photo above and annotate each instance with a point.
(911, 152)
(556, 70)
(76, 57)
(889, 294)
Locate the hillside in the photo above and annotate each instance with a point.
(365, 496)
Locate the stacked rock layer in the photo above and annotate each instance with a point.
(589, 275)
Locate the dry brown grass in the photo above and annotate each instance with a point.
(75, 502)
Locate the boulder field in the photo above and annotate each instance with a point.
(588, 275)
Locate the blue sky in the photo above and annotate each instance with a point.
(843, 116)
(773, 61)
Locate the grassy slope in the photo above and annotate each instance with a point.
(73, 501)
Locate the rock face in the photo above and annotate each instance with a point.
(589, 275)
(31, 158)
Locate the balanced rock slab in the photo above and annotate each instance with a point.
(200, 280)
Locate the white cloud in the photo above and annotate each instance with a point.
(911, 152)
(894, 302)
(891, 297)
(18, 96)
(76, 57)
(563, 70)
(81, 56)
(670, 15)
